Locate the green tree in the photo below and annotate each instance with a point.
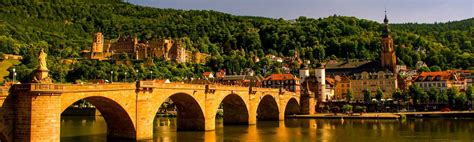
(443, 97)
(379, 94)
(367, 96)
(433, 94)
(470, 94)
(461, 100)
(435, 68)
(416, 93)
(452, 93)
(424, 69)
(397, 96)
(349, 96)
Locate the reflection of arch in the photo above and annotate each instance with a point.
(267, 108)
(235, 110)
(292, 107)
(190, 114)
(119, 123)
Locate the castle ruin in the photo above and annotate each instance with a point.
(131, 47)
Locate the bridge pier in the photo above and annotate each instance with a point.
(145, 116)
(38, 117)
(308, 105)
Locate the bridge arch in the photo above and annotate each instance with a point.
(267, 108)
(292, 107)
(235, 109)
(119, 123)
(190, 115)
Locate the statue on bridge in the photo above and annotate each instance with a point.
(41, 73)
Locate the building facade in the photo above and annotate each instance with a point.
(441, 80)
(285, 81)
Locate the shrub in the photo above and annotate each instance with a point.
(347, 108)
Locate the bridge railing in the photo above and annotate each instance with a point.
(36, 87)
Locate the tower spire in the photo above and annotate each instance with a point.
(386, 30)
(386, 19)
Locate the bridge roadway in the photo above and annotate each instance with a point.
(32, 112)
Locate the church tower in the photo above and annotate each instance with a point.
(387, 56)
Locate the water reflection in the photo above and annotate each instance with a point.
(76, 129)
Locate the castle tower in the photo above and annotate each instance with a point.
(387, 56)
(98, 43)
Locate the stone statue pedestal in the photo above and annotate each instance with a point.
(41, 76)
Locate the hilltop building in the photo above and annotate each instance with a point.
(131, 48)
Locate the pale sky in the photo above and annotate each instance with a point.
(399, 11)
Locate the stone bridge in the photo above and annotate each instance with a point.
(32, 112)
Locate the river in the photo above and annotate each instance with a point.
(93, 129)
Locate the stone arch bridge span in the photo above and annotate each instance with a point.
(32, 112)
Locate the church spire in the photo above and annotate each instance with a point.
(386, 19)
(386, 30)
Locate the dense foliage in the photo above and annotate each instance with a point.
(65, 27)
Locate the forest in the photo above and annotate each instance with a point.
(66, 27)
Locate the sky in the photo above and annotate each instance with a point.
(398, 11)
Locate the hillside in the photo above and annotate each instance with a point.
(4, 65)
(65, 27)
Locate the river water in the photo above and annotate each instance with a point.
(93, 129)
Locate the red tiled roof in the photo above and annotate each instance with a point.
(220, 74)
(286, 76)
(435, 76)
(330, 80)
(206, 74)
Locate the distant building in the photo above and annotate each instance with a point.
(330, 89)
(420, 64)
(441, 80)
(285, 81)
(129, 47)
(12, 57)
(342, 85)
(208, 75)
(241, 80)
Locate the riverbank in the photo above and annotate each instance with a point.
(437, 114)
(345, 116)
(451, 114)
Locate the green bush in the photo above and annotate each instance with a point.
(359, 109)
(347, 108)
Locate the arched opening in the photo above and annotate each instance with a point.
(189, 115)
(292, 107)
(267, 109)
(85, 120)
(234, 110)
